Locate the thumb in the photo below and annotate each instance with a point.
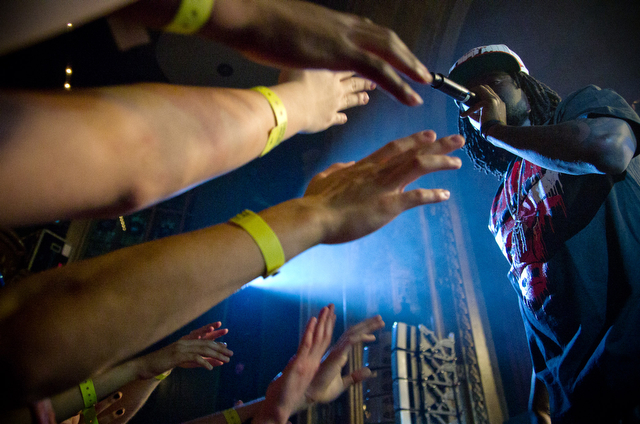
(356, 377)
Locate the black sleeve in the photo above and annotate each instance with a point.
(594, 102)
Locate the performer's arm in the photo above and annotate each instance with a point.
(602, 145)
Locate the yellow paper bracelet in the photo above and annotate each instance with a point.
(88, 392)
(163, 375)
(191, 16)
(232, 417)
(264, 237)
(277, 133)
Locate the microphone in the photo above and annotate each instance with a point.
(452, 89)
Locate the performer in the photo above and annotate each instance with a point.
(566, 218)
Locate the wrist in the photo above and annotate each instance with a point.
(271, 414)
(138, 369)
(299, 224)
(305, 403)
(291, 94)
(490, 125)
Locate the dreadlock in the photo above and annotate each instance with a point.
(493, 160)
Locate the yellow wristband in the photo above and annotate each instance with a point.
(264, 237)
(90, 415)
(191, 16)
(232, 417)
(88, 392)
(163, 375)
(277, 133)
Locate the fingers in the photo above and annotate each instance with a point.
(355, 84)
(333, 168)
(487, 98)
(354, 89)
(379, 53)
(215, 350)
(365, 328)
(204, 331)
(212, 335)
(422, 159)
(214, 362)
(203, 362)
(317, 335)
(353, 100)
(112, 417)
(420, 197)
(201, 353)
(386, 44)
(376, 69)
(106, 403)
(356, 377)
(324, 330)
(339, 119)
(400, 146)
(307, 337)
(360, 332)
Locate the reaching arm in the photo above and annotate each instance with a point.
(299, 34)
(196, 349)
(108, 151)
(601, 145)
(134, 380)
(139, 294)
(300, 385)
(281, 33)
(287, 390)
(329, 383)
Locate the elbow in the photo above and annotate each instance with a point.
(614, 162)
(615, 151)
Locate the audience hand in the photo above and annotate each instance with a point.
(286, 392)
(188, 352)
(358, 198)
(325, 93)
(208, 332)
(328, 383)
(300, 34)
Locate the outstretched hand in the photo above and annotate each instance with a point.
(287, 391)
(328, 383)
(297, 34)
(361, 197)
(198, 349)
(208, 332)
(325, 94)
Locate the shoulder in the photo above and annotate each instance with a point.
(593, 101)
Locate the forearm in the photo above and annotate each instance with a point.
(110, 151)
(163, 284)
(600, 145)
(69, 402)
(134, 395)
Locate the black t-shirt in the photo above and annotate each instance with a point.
(573, 254)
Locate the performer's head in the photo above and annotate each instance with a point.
(526, 100)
